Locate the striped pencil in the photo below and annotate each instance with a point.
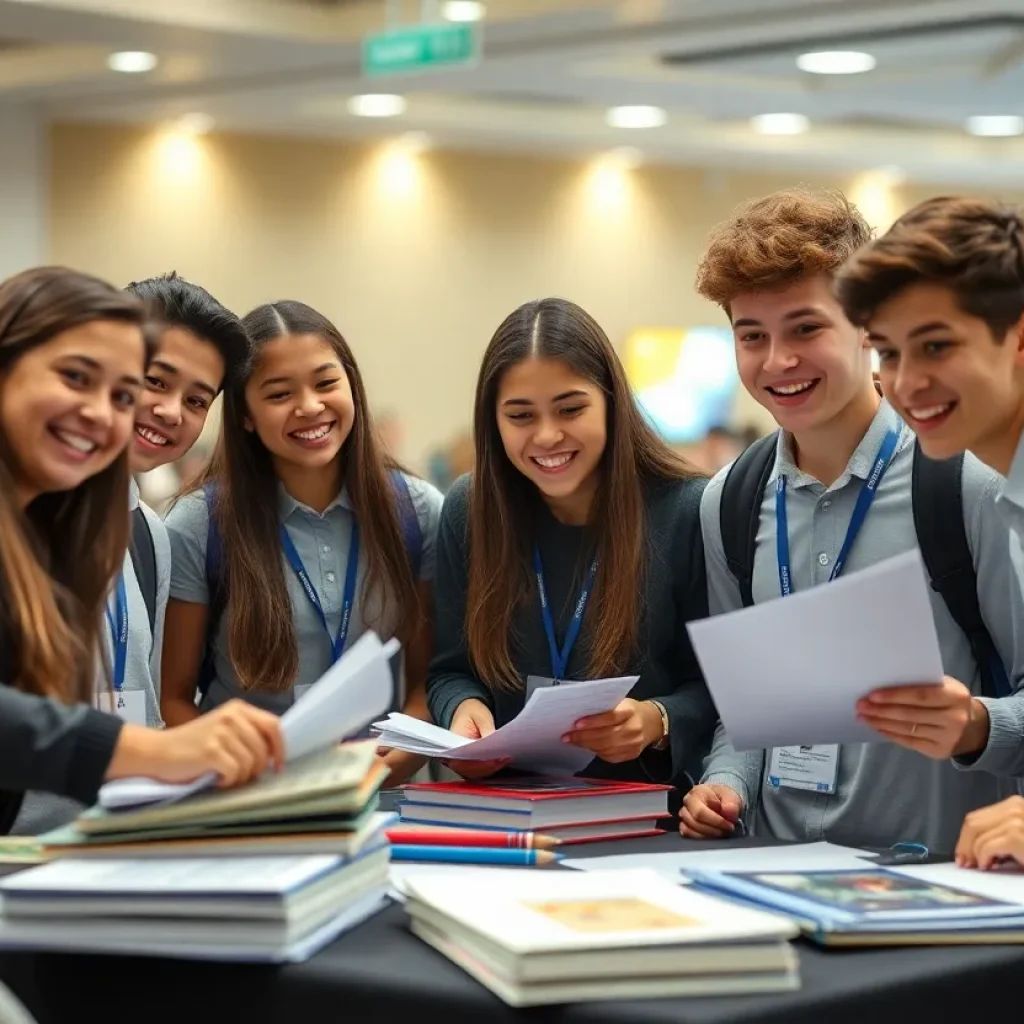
(408, 836)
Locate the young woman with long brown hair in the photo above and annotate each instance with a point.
(574, 498)
(317, 534)
(73, 351)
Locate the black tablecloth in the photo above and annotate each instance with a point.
(380, 973)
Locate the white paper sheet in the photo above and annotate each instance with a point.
(790, 671)
(351, 693)
(533, 739)
(1002, 884)
(795, 857)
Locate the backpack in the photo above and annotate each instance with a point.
(143, 555)
(412, 535)
(937, 495)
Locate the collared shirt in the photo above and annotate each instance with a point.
(322, 541)
(884, 793)
(41, 812)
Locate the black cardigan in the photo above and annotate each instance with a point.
(675, 593)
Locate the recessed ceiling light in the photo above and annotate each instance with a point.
(996, 125)
(463, 10)
(376, 105)
(132, 62)
(636, 117)
(780, 124)
(195, 124)
(836, 62)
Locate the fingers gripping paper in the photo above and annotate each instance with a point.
(790, 671)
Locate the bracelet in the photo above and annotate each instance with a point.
(661, 744)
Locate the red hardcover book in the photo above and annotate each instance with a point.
(576, 805)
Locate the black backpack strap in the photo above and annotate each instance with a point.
(942, 538)
(143, 553)
(740, 511)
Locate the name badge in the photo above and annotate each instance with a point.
(808, 768)
(129, 705)
(299, 692)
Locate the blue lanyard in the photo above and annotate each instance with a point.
(348, 597)
(560, 659)
(118, 622)
(860, 513)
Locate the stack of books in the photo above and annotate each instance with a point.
(925, 905)
(571, 810)
(270, 909)
(321, 803)
(536, 939)
(269, 871)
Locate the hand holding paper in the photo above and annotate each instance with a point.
(531, 741)
(790, 671)
(350, 694)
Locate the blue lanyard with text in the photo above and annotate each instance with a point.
(860, 512)
(118, 622)
(348, 596)
(560, 659)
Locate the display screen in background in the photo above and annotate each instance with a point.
(684, 378)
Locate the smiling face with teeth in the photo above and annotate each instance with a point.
(182, 380)
(68, 405)
(797, 354)
(300, 405)
(956, 384)
(553, 426)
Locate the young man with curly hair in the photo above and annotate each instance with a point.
(834, 492)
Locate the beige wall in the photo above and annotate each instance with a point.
(416, 258)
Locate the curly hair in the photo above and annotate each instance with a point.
(772, 242)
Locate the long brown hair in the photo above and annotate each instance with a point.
(59, 557)
(502, 499)
(261, 632)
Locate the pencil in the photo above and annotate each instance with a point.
(426, 836)
(473, 855)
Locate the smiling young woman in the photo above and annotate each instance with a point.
(73, 351)
(573, 493)
(321, 535)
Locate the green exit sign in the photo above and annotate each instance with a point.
(420, 48)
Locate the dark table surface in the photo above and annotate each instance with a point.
(381, 973)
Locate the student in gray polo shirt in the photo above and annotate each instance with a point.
(941, 295)
(200, 341)
(318, 536)
(771, 269)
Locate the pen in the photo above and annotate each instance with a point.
(411, 836)
(472, 855)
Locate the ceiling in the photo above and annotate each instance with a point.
(549, 71)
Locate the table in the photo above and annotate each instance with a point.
(380, 974)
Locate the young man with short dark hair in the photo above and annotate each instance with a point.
(834, 491)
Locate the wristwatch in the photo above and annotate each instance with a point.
(661, 744)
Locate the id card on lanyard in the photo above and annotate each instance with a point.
(816, 768)
(130, 705)
(559, 656)
(348, 595)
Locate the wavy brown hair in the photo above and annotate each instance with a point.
(971, 246)
(503, 501)
(59, 557)
(772, 242)
(261, 633)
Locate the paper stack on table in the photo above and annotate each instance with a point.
(790, 671)
(532, 740)
(556, 937)
(272, 909)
